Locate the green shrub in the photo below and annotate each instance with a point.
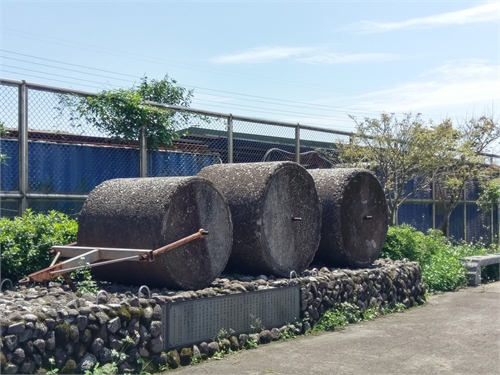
(443, 272)
(404, 241)
(26, 240)
(438, 257)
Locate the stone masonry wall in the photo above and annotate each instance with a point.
(51, 327)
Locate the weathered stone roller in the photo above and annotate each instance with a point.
(149, 213)
(354, 216)
(276, 215)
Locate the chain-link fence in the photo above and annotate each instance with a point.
(54, 159)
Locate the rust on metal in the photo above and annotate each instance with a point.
(88, 257)
(200, 234)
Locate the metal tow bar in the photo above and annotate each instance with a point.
(89, 257)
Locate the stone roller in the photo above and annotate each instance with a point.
(354, 216)
(276, 215)
(149, 213)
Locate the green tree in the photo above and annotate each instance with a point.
(490, 193)
(3, 157)
(399, 151)
(122, 113)
(463, 162)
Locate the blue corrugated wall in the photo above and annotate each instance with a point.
(71, 168)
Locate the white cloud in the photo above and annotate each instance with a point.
(261, 55)
(454, 88)
(482, 13)
(302, 54)
(343, 58)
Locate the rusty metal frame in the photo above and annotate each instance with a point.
(89, 257)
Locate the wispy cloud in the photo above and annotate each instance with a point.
(454, 86)
(344, 58)
(261, 55)
(482, 13)
(302, 54)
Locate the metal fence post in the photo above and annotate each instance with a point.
(230, 139)
(297, 144)
(464, 197)
(433, 187)
(143, 153)
(23, 146)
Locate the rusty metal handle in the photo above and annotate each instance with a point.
(200, 234)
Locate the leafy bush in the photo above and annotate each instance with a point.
(26, 241)
(404, 242)
(438, 257)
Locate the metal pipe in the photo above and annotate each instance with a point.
(58, 90)
(143, 153)
(318, 129)
(48, 196)
(230, 139)
(23, 146)
(92, 265)
(297, 143)
(200, 234)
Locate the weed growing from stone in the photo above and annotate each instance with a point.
(86, 283)
(251, 343)
(288, 333)
(53, 370)
(107, 369)
(218, 355)
(346, 313)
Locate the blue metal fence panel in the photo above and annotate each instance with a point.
(169, 163)
(496, 227)
(417, 215)
(456, 225)
(478, 224)
(9, 174)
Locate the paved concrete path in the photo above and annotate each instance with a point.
(455, 333)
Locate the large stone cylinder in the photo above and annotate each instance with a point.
(148, 213)
(354, 216)
(276, 215)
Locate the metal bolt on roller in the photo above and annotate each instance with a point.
(276, 215)
(354, 216)
(150, 213)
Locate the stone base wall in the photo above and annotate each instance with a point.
(51, 327)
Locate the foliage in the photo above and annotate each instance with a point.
(106, 369)
(251, 343)
(26, 241)
(404, 241)
(400, 151)
(408, 155)
(123, 113)
(489, 195)
(438, 257)
(85, 282)
(288, 332)
(3, 157)
(346, 313)
(462, 161)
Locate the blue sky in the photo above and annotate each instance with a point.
(309, 62)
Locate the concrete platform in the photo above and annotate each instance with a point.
(455, 333)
